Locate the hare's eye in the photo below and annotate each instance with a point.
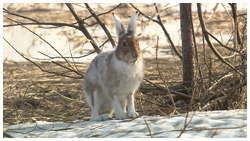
(124, 44)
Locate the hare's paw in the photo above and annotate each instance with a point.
(105, 117)
(133, 114)
(121, 116)
(101, 117)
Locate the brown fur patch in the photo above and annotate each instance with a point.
(129, 53)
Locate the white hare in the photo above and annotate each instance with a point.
(113, 77)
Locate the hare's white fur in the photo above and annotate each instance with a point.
(110, 82)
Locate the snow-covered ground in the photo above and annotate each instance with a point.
(217, 124)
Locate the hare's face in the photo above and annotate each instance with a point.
(128, 49)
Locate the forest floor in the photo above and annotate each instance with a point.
(30, 95)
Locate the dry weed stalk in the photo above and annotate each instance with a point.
(157, 64)
(148, 128)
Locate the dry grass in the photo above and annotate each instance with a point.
(30, 94)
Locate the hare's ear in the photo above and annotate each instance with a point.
(120, 30)
(132, 24)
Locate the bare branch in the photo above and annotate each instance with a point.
(231, 49)
(163, 28)
(204, 31)
(101, 24)
(35, 21)
(166, 33)
(104, 12)
(172, 91)
(157, 64)
(56, 73)
(18, 15)
(77, 57)
(83, 28)
(42, 23)
(42, 39)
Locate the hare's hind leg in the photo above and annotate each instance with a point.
(106, 109)
(101, 109)
(92, 103)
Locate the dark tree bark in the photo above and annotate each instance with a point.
(234, 11)
(187, 44)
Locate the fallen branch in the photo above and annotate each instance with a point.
(172, 91)
(226, 93)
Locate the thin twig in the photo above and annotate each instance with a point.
(231, 49)
(204, 31)
(19, 114)
(44, 41)
(42, 23)
(217, 81)
(148, 129)
(75, 57)
(35, 21)
(103, 12)
(101, 24)
(186, 124)
(196, 51)
(229, 91)
(171, 91)
(163, 28)
(201, 129)
(157, 64)
(160, 109)
(56, 73)
(18, 15)
(83, 28)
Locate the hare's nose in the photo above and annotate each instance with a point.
(135, 54)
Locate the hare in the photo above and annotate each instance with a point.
(113, 77)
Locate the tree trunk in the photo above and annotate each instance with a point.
(187, 44)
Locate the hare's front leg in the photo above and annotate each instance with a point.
(119, 108)
(131, 108)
